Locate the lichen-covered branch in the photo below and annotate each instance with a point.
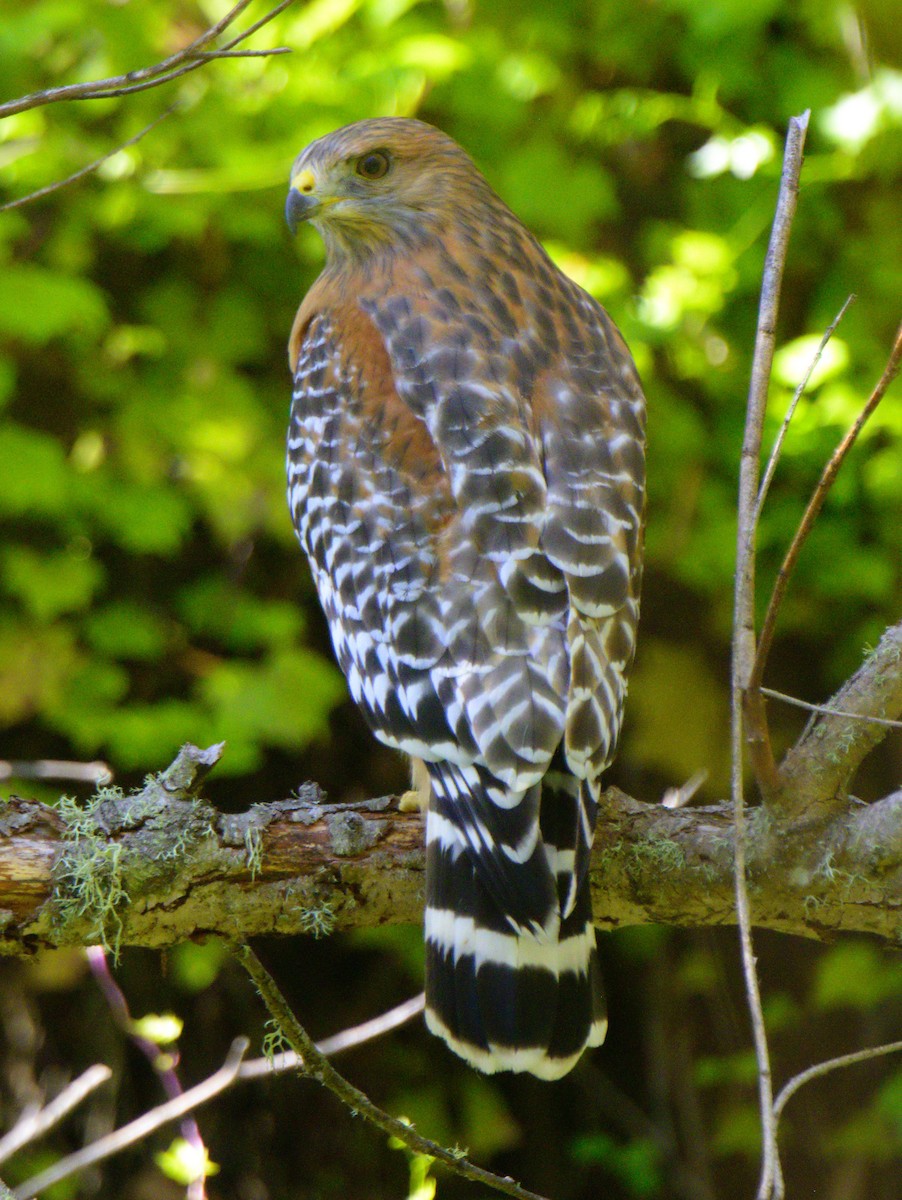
(161, 866)
(817, 771)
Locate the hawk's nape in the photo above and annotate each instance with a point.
(466, 476)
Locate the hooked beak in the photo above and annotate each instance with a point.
(303, 202)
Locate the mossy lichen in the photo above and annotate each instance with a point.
(89, 871)
(318, 921)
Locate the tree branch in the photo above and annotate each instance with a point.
(194, 55)
(163, 866)
(314, 1065)
(32, 1127)
(85, 170)
(817, 771)
(743, 642)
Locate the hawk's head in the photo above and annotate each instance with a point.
(389, 181)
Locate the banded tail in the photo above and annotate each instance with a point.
(512, 975)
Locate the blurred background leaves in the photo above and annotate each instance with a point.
(151, 590)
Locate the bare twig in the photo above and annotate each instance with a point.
(815, 504)
(36, 1124)
(119, 1139)
(187, 59)
(315, 1066)
(744, 615)
(54, 768)
(790, 412)
(823, 1068)
(252, 29)
(677, 797)
(831, 712)
(80, 174)
(163, 1065)
(348, 1038)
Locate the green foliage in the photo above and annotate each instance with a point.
(422, 1185)
(185, 1162)
(636, 1164)
(856, 975)
(195, 966)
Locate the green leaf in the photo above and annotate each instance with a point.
(195, 965)
(792, 361)
(40, 304)
(283, 701)
(36, 666)
(51, 583)
(185, 1162)
(34, 479)
(160, 1028)
(855, 975)
(126, 630)
(636, 1163)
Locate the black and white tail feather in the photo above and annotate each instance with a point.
(512, 976)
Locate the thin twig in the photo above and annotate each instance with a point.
(35, 1125)
(212, 55)
(677, 797)
(164, 1066)
(55, 768)
(315, 1066)
(82, 171)
(831, 712)
(824, 1068)
(757, 734)
(119, 1139)
(252, 29)
(815, 504)
(254, 1068)
(744, 612)
(815, 1072)
(187, 59)
(790, 412)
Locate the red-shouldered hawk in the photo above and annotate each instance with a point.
(466, 475)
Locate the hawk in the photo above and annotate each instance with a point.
(466, 476)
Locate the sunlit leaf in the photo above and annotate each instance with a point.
(184, 1162)
(41, 304)
(160, 1028)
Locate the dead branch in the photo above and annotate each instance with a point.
(87, 169)
(138, 1129)
(163, 866)
(743, 642)
(816, 1072)
(315, 1065)
(32, 1127)
(189, 58)
(817, 771)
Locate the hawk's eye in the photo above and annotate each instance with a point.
(373, 165)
